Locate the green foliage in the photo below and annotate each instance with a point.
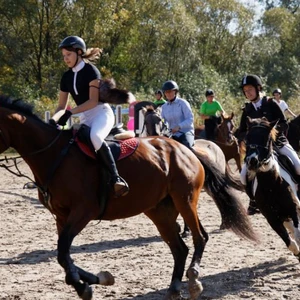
(198, 43)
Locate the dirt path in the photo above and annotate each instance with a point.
(134, 253)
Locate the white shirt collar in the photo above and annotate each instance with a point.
(78, 67)
(257, 104)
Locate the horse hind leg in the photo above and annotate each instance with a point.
(200, 238)
(164, 216)
(193, 272)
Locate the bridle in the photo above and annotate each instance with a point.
(42, 189)
(255, 148)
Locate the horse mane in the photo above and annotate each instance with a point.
(18, 105)
(264, 123)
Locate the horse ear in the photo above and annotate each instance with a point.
(274, 123)
(232, 115)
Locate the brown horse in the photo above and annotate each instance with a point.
(225, 139)
(165, 179)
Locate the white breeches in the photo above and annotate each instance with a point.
(101, 120)
(291, 153)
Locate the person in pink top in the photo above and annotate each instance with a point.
(132, 102)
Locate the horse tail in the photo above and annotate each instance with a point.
(220, 188)
(232, 180)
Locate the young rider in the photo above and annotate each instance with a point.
(209, 111)
(177, 113)
(259, 107)
(282, 104)
(81, 80)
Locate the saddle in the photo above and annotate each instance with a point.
(119, 148)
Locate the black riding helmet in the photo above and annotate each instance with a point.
(73, 41)
(276, 91)
(209, 92)
(158, 92)
(253, 80)
(170, 85)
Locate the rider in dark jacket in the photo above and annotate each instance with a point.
(259, 107)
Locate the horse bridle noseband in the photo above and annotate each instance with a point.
(256, 147)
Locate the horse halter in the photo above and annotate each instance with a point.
(257, 153)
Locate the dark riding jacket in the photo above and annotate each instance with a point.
(272, 112)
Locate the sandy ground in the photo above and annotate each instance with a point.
(133, 252)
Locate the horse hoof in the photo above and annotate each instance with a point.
(105, 278)
(87, 293)
(29, 185)
(195, 289)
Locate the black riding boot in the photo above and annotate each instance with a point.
(104, 155)
(252, 208)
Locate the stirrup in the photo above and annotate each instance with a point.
(121, 187)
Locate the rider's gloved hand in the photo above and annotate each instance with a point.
(64, 118)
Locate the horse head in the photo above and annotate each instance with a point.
(260, 135)
(153, 122)
(226, 129)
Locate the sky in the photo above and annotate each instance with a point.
(258, 7)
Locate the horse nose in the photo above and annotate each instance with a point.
(252, 162)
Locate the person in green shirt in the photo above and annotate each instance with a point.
(210, 111)
(159, 98)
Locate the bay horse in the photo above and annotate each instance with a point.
(274, 188)
(225, 139)
(165, 180)
(293, 134)
(154, 126)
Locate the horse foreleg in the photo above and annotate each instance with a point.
(102, 278)
(75, 276)
(280, 229)
(295, 238)
(65, 239)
